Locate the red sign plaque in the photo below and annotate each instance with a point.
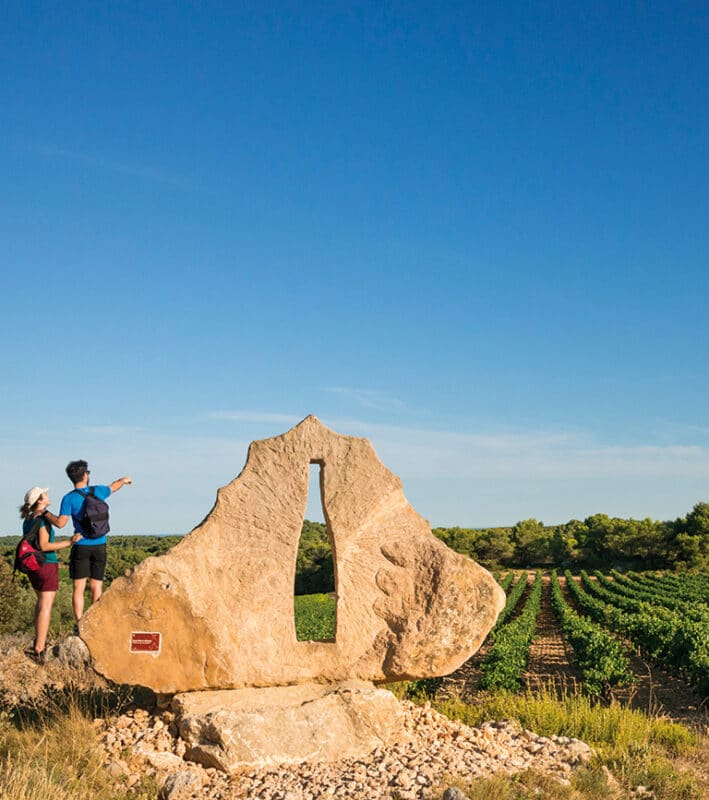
(145, 642)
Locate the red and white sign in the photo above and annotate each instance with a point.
(145, 642)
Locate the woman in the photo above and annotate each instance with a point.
(45, 582)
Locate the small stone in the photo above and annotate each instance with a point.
(117, 768)
(73, 653)
(453, 793)
(180, 785)
(405, 779)
(164, 761)
(162, 701)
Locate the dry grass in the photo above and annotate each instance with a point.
(586, 784)
(51, 752)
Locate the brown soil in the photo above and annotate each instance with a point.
(550, 657)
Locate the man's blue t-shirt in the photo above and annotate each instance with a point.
(73, 505)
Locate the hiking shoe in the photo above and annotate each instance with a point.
(38, 657)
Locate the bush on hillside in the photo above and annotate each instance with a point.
(8, 598)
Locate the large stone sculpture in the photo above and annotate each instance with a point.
(216, 612)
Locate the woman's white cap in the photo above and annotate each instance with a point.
(33, 495)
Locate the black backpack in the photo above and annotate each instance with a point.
(94, 520)
(28, 557)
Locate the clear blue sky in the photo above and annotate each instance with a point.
(475, 233)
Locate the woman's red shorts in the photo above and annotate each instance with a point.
(47, 579)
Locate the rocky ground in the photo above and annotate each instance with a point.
(433, 753)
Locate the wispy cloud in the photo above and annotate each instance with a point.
(254, 416)
(100, 162)
(111, 430)
(675, 429)
(522, 454)
(502, 453)
(369, 398)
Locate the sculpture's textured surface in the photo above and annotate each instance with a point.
(222, 599)
(286, 724)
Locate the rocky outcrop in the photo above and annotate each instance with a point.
(216, 612)
(286, 725)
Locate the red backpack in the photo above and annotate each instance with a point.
(28, 557)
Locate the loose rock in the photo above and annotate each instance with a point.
(180, 785)
(73, 653)
(451, 793)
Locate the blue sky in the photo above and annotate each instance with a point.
(474, 233)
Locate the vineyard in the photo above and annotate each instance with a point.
(637, 636)
(641, 638)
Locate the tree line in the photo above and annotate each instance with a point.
(597, 541)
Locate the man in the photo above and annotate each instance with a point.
(88, 556)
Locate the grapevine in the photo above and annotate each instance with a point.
(508, 656)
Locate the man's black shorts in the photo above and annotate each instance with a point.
(88, 561)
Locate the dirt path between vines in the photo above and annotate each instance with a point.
(550, 662)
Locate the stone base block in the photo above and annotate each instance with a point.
(286, 724)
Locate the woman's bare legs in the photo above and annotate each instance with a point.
(42, 614)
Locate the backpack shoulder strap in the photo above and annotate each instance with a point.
(36, 525)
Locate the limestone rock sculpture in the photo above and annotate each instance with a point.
(216, 612)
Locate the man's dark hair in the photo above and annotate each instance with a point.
(76, 470)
